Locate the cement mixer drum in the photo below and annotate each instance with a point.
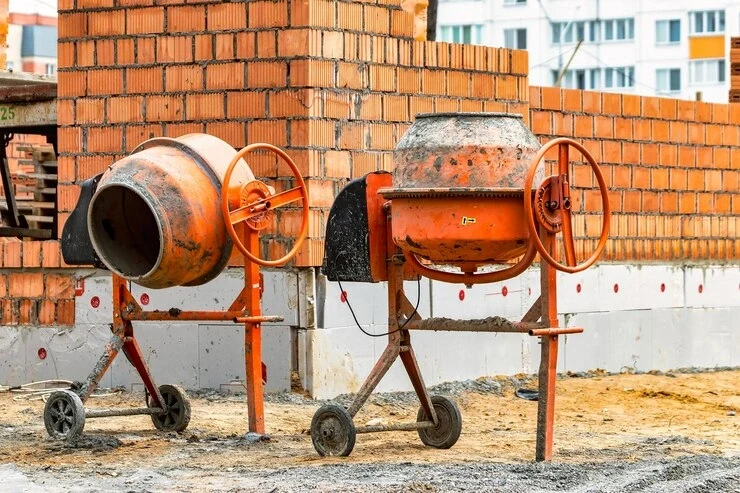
(155, 218)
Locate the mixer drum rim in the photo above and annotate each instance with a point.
(410, 193)
(486, 114)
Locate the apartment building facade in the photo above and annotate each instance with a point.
(675, 48)
(32, 37)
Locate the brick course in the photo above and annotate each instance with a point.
(668, 164)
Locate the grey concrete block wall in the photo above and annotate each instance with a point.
(641, 317)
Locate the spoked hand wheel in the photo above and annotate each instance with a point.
(551, 206)
(257, 202)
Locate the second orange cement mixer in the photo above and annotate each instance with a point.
(462, 196)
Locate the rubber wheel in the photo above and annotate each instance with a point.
(64, 415)
(449, 424)
(177, 409)
(332, 431)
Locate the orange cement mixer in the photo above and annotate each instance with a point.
(460, 200)
(168, 215)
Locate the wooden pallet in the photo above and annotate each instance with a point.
(35, 189)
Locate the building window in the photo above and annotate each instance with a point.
(515, 38)
(571, 32)
(668, 31)
(593, 31)
(515, 2)
(668, 79)
(594, 78)
(707, 22)
(618, 29)
(619, 77)
(51, 69)
(471, 34)
(579, 78)
(707, 71)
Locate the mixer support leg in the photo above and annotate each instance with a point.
(396, 299)
(412, 368)
(548, 357)
(111, 350)
(253, 339)
(390, 353)
(133, 354)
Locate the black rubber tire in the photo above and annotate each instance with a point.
(177, 409)
(64, 415)
(449, 424)
(332, 431)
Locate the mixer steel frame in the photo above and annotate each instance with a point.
(399, 345)
(246, 309)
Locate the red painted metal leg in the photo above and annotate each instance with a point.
(408, 357)
(253, 339)
(133, 353)
(412, 368)
(390, 353)
(548, 358)
(93, 380)
(393, 349)
(114, 345)
(546, 404)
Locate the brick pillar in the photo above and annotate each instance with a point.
(336, 83)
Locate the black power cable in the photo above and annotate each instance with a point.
(418, 300)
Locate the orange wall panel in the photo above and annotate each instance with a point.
(706, 47)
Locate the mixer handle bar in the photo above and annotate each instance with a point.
(553, 206)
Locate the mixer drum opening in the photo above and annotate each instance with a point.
(123, 225)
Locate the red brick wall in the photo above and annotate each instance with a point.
(335, 83)
(673, 170)
(35, 297)
(32, 288)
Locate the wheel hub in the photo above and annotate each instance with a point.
(254, 193)
(548, 214)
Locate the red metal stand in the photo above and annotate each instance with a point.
(245, 309)
(332, 428)
(548, 356)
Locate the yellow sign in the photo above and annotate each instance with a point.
(467, 220)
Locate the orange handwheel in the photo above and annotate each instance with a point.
(551, 205)
(257, 203)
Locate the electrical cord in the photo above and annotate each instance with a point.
(42, 389)
(418, 300)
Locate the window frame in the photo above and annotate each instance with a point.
(702, 18)
(706, 64)
(612, 27)
(669, 72)
(457, 33)
(515, 31)
(668, 23)
(619, 77)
